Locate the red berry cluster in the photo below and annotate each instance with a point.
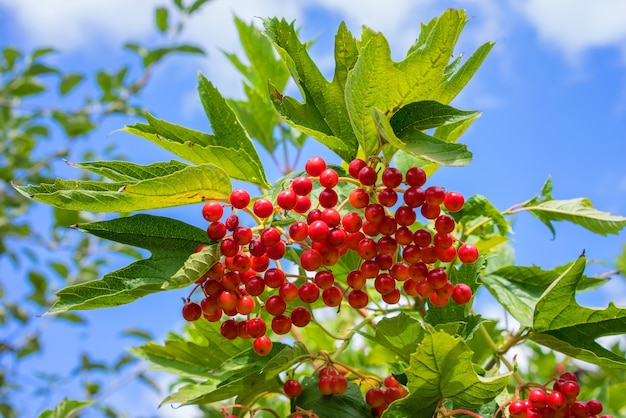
(560, 402)
(378, 228)
(379, 398)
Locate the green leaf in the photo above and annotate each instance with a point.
(427, 114)
(227, 128)
(65, 409)
(24, 86)
(36, 69)
(69, 82)
(579, 211)
(421, 145)
(194, 268)
(200, 148)
(323, 115)
(196, 5)
(10, 56)
(170, 243)
(349, 404)
(560, 323)
(155, 55)
(442, 369)
(401, 334)
(74, 124)
(247, 375)
(378, 82)
(518, 288)
(179, 4)
(127, 171)
(202, 353)
(161, 16)
(192, 184)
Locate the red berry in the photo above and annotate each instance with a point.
(292, 388)
(245, 305)
(232, 222)
(468, 253)
(298, 231)
(328, 198)
(517, 409)
(387, 197)
(414, 197)
(216, 231)
(374, 213)
(447, 255)
(338, 384)
(358, 299)
(212, 211)
(437, 300)
(437, 277)
(255, 286)
(314, 166)
(303, 203)
(288, 291)
(422, 238)
(281, 324)
(384, 283)
(324, 279)
(287, 199)
(391, 177)
(367, 176)
(332, 296)
(375, 397)
(366, 248)
(270, 237)
(358, 198)
(570, 389)
(227, 300)
(429, 211)
(242, 235)
(310, 260)
(263, 208)
(241, 262)
(594, 407)
(415, 176)
(331, 217)
(324, 384)
(239, 198)
(392, 394)
(300, 316)
(277, 251)
(405, 216)
(351, 222)
(434, 195)
(392, 297)
(275, 305)
(329, 178)
(309, 292)
(274, 278)
(229, 329)
(355, 279)
(355, 167)
(318, 231)
(302, 186)
(556, 400)
(192, 311)
(262, 345)
(391, 382)
(453, 201)
(444, 224)
(462, 294)
(259, 264)
(256, 327)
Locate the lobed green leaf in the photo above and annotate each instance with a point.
(170, 241)
(442, 369)
(191, 184)
(559, 322)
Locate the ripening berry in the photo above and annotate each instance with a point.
(192, 311)
(262, 345)
(355, 167)
(239, 198)
(212, 211)
(468, 253)
(461, 294)
(375, 397)
(453, 201)
(314, 166)
(292, 387)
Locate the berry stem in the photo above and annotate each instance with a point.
(498, 355)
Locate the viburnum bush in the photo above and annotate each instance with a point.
(346, 287)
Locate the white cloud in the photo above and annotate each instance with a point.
(575, 26)
(73, 24)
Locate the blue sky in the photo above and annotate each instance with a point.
(552, 93)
